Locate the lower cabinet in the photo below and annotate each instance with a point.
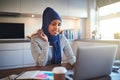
(15, 55)
(11, 59)
(28, 59)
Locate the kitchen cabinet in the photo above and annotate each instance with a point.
(10, 59)
(78, 8)
(14, 55)
(38, 6)
(33, 6)
(27, 55)
(10, 55)
(10, 6)
(61, 6)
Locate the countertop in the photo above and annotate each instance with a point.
(14, 40)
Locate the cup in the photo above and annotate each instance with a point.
(59, 73)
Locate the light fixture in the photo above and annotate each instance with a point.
(74, 18)
(33, 15)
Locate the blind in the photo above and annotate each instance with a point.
(101, 3)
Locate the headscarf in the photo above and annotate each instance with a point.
(49, 15)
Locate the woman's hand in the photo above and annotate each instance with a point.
(60, 31)
(42, 35)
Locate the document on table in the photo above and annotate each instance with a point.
(36, 74)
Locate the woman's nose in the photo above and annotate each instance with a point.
(56, 27)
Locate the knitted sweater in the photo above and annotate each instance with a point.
(42, 51)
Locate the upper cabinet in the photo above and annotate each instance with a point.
(10, 6)
(33, 6)
(73, 8)
(61, 6)
(78, 8)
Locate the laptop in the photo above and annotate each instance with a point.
(94, 61)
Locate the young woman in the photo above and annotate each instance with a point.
(48, 45)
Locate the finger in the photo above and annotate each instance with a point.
(39, 31)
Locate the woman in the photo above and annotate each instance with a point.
(48, 45)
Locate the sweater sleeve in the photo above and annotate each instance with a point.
(39, 50)
(68, 51)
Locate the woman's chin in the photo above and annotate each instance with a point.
(54, 34)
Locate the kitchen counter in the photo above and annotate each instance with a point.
(106, 40)
(14, 40)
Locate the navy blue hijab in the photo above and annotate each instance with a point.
(48, 16)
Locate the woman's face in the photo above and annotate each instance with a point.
(54, 27)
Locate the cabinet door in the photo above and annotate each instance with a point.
(28, 58)
(11, 59)
(33, 6)
(10, 46)
(9, 5)
(78, 8)
(27, 55)
(61, 6)
(11, 55)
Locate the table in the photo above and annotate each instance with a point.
(5, 73)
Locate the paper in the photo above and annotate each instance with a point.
(28, 75)
(46, 75)
(41, 76)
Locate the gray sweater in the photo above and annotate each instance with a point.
(42, 51)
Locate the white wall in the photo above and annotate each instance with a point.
(33, 24)
(89, 23)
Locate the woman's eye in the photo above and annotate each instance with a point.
(59, 24)
(54, 24)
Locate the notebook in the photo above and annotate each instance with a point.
(94, 61)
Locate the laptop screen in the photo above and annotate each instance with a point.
(94, 61)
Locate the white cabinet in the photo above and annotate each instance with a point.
(11, 55)
(78, 8)
(27, 55)
(28, 59)
(9, 5)
(61, 6)
(14, 55)
(38, 6)
(11, 59)
(74, 8)
(33, 6)
(10, 46)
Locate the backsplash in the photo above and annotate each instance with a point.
(33, 24)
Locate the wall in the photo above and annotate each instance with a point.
(33, 24)
(83, 9)
(67, 8)
(89, 23)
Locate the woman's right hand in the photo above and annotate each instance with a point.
(42, 35)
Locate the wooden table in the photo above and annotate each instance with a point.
(5, 73)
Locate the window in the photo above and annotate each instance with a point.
(109, 21)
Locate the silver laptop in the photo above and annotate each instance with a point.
(94, 61)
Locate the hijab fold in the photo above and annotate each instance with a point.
(48, 16)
